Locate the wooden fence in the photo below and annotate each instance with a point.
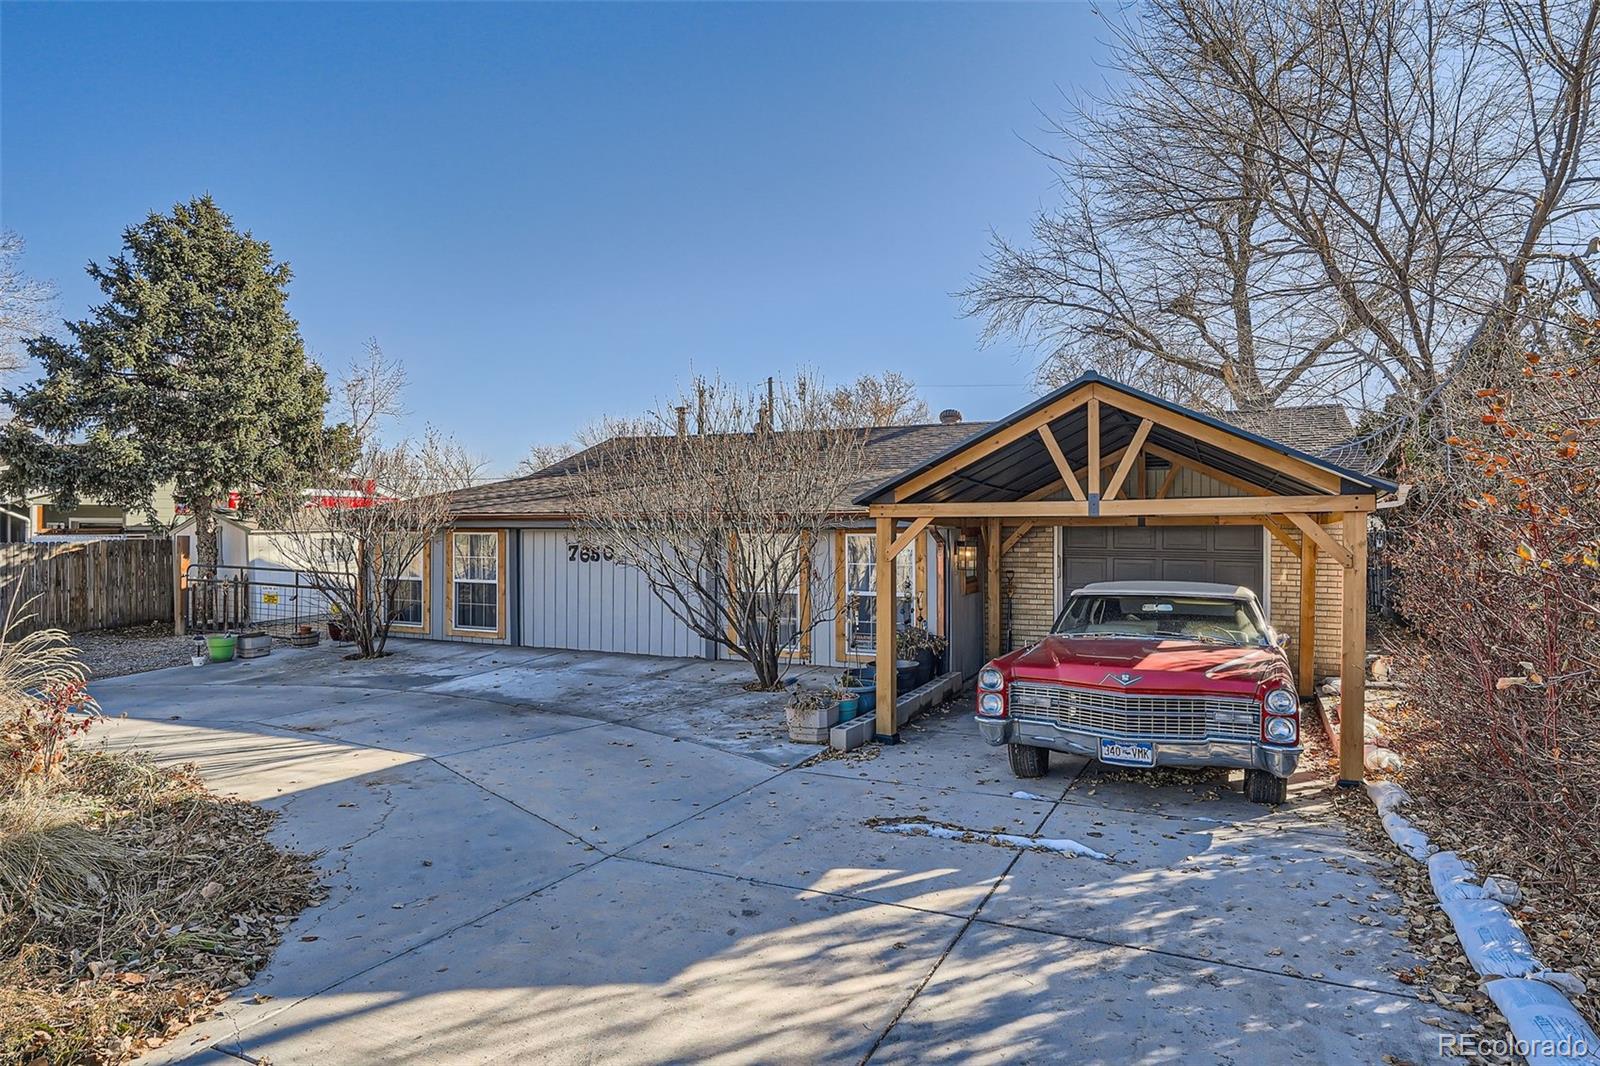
(98, 584)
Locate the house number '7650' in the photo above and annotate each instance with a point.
(582, 553)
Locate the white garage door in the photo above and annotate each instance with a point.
(575, 597)
(1227, 554)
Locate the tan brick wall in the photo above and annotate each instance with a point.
(1285, 602)
(1029, 600)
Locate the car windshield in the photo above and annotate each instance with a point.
(1217, 619)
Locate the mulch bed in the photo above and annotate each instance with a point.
(132, 649)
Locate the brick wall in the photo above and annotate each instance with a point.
(1285, 573)
(1028, 602)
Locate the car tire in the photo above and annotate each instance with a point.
(1028, 760)
(1262, 787)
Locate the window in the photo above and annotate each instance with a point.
(408, 596)
(475, 581)
(858, 594)
(760, 564)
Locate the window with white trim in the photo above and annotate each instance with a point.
(767, 562)
(406, 595)
(860, 591)
(475, 580)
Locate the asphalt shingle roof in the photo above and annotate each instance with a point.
(1318, 429)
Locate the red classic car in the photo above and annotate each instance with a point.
(1150, 673)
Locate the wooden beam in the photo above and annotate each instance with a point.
(1308, 619)
(1323, 538)
(1094, 447)
(1128, 456)
(1178, 459)
(884, 629)
(1353, 663)
(989, 445)
(1016, 535)
(1022, 510)
(1232, 442)
(1167, 482)
(991, 590)
(1068, 478)
(1276, 529)
(1141, 478)
(900, 542)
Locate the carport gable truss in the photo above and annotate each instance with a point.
(1080, 456)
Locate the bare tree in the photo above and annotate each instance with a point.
(24, 303)
(722, 523)
(540, 456)
(887, 399)
(357, 547)
(1342, 196)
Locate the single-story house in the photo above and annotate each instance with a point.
(990, 526)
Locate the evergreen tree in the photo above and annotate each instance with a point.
(192, 371)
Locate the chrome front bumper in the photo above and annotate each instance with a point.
(1243, 755)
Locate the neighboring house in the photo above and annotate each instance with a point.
(512, 570)
(39, 517)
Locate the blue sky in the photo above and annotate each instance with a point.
(554, 212)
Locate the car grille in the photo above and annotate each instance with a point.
(1123, 714)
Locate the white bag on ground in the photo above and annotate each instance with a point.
(1407, 837)
(1547, 1028)
(1494, 944)
(1453, 877)
(1387, 795)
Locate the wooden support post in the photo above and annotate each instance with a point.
(993, 548)
(180, 562)
(1094, 456)
(1353, 673)
(884, 629)
(1308, 618)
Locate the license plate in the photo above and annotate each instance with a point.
(1127, 752)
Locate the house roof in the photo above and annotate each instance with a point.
(896, 452)
(1022, 465)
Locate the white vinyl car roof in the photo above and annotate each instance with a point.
(1166, 588)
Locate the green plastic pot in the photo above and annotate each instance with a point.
(222, 647)
(848, 708)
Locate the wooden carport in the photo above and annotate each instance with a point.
(1078, 456)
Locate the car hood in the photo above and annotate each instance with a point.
(1150, 665)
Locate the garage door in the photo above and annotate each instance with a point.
(1227, 554)
(578, 598)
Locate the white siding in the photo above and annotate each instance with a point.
(593, 606)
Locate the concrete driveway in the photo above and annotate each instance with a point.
(559, 857)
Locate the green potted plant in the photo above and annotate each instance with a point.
(863, 686)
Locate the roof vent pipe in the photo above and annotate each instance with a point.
(949, 416)
(683, 420)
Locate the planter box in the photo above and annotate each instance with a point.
(811, 726)
(254, 645)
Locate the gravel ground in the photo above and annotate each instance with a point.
(133, 650)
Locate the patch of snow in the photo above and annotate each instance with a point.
(1061, 846)
(1020, 795)
(1383, 759)
(1551, 1029)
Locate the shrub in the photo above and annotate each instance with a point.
(1500, 579)
(42, 703)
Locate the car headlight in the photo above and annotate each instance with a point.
(1282, 701)
(991, 704)
(991, 678)
(1281, 730)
